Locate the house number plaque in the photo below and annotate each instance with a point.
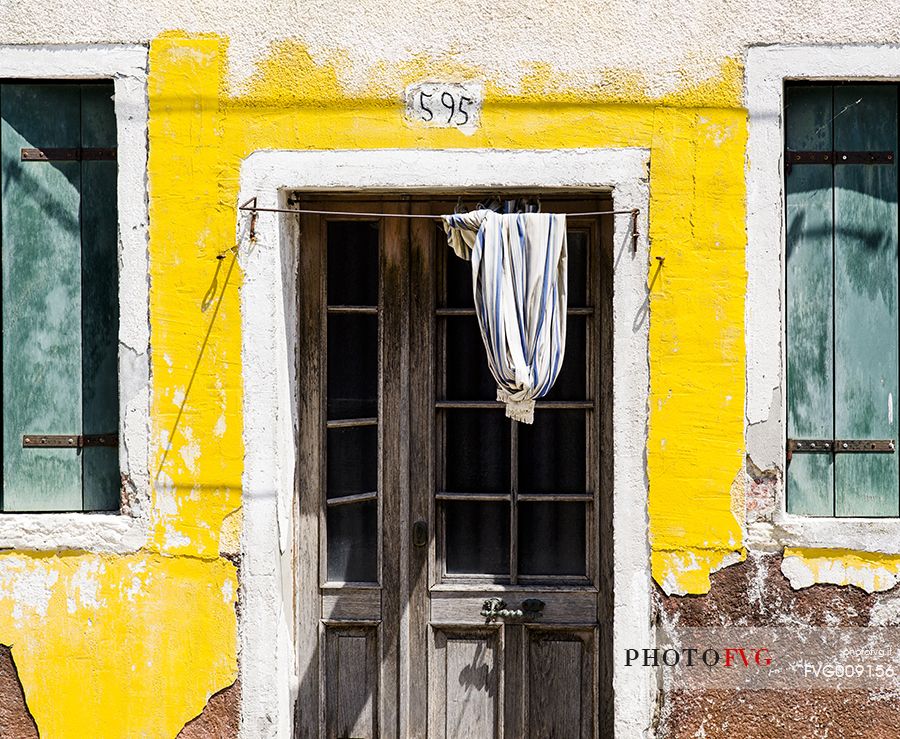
(445, 104)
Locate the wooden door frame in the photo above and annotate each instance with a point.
(270, 669)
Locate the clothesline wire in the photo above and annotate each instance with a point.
(254, 209)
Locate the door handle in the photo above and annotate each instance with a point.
(494, 608)
(419, 534)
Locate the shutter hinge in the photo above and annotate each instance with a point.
(836, 157)
(839, 445)
(71, 154)
(68, 441)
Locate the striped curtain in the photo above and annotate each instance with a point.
(519, 283)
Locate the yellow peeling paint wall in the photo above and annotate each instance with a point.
(697, 139)
(133, 646)
(119, 646)
(695, 452)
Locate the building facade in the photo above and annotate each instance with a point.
(255, 482)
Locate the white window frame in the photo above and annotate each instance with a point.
(126, 67)
(767, 69)
(268, 318)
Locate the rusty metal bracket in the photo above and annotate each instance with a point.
(254, 216)
(249, 206)
(836, 157)
(634, 230)
(71, 154)
(835, 446)
(68, 441)
(808, 157)
(863, 157)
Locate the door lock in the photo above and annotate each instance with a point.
(420, 534)
(494, 608)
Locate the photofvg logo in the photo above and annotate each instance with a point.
(773, 658)
(697, 656)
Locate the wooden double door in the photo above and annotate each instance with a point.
(453, 575)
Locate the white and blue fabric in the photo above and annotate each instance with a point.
(519, 267)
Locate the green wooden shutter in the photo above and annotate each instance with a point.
(59, 295)
(809, 262)
(842, 284)
(100, 298)
(865, 299)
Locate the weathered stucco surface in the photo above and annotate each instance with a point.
(15, 718)
(149, 637)
(868, 571)
(152, 635)
(776, 714)
(220, 718)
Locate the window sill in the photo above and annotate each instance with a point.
(877, 535)
(92, 532)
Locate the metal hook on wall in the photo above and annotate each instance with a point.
(634, 231)
(254, 216)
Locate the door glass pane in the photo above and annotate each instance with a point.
(571, 381)
(481, 451)
(552, 453)
(353, 542)
(477, 456)
(477, 536)
(578, 268)
(353, 263)
(459, 281)
(352, 461)
(468, 376)
(552, 538)
(352, 366)
(352, 393)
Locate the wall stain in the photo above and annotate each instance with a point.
(754, 593)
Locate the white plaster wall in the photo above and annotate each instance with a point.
(668, 43)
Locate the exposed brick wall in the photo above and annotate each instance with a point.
(769, 714)
(755, 594)
(16, 721)
(220, 718)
